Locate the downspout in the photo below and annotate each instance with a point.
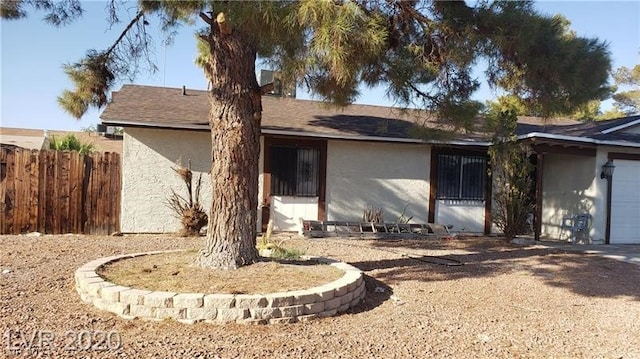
(538, 209)
(607, 233)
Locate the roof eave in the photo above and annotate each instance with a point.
(198, 127)
(621, 127)
(578, 139)
(159, 125)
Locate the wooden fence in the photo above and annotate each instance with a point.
(59, 192)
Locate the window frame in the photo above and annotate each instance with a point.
(286, 180)
(462, 188)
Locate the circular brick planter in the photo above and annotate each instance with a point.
(284, 307)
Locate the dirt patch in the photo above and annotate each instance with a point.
(174, 272)
(506, 301)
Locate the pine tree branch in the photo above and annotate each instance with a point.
(206, 18)
(407, 8)
(124, 32)
(420, 92)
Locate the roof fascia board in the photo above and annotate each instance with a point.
(578, 139)
(621, 127)
(158, 125)
(340, 137)
(379, 139)
(371, 138)
(293, 133)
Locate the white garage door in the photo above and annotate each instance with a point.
(625, 203)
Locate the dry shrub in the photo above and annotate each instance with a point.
(189, 211)
(372, 215)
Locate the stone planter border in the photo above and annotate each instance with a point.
(283, 307)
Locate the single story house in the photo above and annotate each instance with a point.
(324, 163)
(37, 139)
(29, 139)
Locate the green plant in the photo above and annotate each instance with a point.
(286, 253)
(511, 171)
(190, 211)
(70, 143)
(277, 250)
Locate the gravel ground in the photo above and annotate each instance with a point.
(506, 301)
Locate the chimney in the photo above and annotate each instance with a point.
(184, 91)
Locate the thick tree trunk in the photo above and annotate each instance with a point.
(235, 138)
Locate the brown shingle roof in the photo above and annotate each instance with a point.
(136, 105)
(167, 107)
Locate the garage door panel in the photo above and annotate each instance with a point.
(625, 203)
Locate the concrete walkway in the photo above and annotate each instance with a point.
(629, 253)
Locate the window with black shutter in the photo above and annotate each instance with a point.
(461, 177)
(295, 171)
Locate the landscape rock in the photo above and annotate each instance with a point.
(507, 301)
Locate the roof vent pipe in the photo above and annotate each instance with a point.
(184, 91)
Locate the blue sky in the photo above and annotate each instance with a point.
(32, 54)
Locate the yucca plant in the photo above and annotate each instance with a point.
(270, 248)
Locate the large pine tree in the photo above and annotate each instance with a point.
(423, 51)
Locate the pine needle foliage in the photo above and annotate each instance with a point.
(627, 101)
(93, 79)
(422, 51)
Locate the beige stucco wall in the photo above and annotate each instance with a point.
(571, 186)
(463, 215)
(148, 157)
(358, 174)
(382, 175)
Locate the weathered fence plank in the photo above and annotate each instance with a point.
(34, 191)
(19, 191)
(59, 192)
(50, 190)
(116, 192)
(75, 192)
(63, 194)
(10, 194)
(3, 188)
(42, 190)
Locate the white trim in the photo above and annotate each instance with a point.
(156, 125)
(578, 139)
(370, 138)
(298, 133)
(382, 139)
(341, 137)
(621, 127)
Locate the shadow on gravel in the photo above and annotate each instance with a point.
(585, 274)
(377, 293)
